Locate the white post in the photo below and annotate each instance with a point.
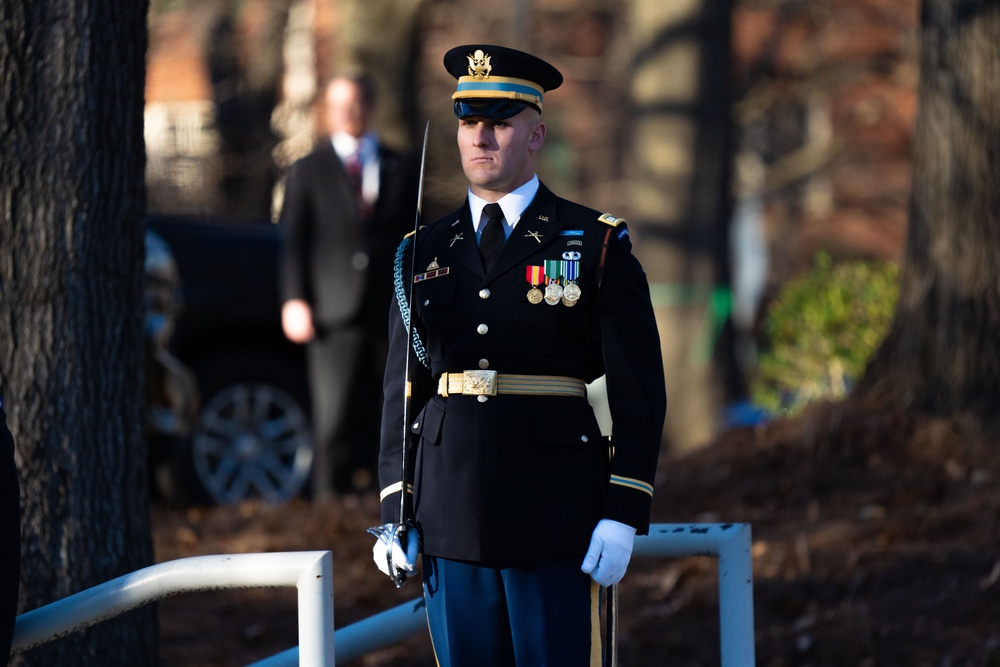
(731, 543)
(736, 599)
(315, 586)
(310, 571)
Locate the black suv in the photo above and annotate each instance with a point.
(251, 435)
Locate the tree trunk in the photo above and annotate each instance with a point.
(72, 200)
(246, 83)
(942, 355)
(679, 147)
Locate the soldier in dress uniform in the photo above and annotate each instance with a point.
(520, 298)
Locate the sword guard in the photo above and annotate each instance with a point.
(387, 533)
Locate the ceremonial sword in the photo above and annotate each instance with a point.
(401, 529)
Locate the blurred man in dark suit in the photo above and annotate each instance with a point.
(346, 204)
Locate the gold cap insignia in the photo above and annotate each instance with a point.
(479, 65)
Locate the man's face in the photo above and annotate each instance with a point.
(346, 110)
(498, 156)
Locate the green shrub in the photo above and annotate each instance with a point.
(821, 331)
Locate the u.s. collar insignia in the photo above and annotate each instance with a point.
(479, 65)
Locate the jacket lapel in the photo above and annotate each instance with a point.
(336, 186)
(457, 239)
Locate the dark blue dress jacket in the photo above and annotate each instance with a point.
(516, 478)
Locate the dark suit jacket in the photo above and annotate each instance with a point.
(338, 263)
(525, 477)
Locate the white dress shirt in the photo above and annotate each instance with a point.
(512, 204)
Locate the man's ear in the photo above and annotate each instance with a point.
(537, 136)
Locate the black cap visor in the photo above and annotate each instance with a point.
(492, 109)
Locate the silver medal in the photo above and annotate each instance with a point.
(553, 293)
(571, 295)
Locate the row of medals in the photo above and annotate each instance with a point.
(555, 292)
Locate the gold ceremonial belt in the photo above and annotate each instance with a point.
(491, 383)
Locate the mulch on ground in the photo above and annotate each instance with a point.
(876, 543)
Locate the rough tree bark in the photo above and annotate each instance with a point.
(72, 200)
(941, 356)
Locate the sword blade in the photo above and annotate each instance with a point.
(403, 519)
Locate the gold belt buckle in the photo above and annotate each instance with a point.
(479, 383)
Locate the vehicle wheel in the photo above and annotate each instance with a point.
(252, 437)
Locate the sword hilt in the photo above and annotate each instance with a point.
(387, 533)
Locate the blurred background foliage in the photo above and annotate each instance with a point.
(737, 137)
(821, 330)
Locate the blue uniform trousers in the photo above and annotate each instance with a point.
(532, 615)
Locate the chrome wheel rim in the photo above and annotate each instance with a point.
(252, 440)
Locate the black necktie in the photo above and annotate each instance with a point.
(491, 239)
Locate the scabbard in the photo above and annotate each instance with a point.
(611, 636)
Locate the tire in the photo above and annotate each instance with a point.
(252, 436)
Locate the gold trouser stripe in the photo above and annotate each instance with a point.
(522, 385)
(437, 661)
(596, 647)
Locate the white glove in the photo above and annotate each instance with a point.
(609, 552)
(403, 561)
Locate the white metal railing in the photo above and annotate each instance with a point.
(312, 573)
(729, 542)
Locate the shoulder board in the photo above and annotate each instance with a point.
(609, 219)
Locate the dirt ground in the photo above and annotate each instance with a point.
(876, 543)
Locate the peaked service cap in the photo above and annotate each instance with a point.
(498, 82)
